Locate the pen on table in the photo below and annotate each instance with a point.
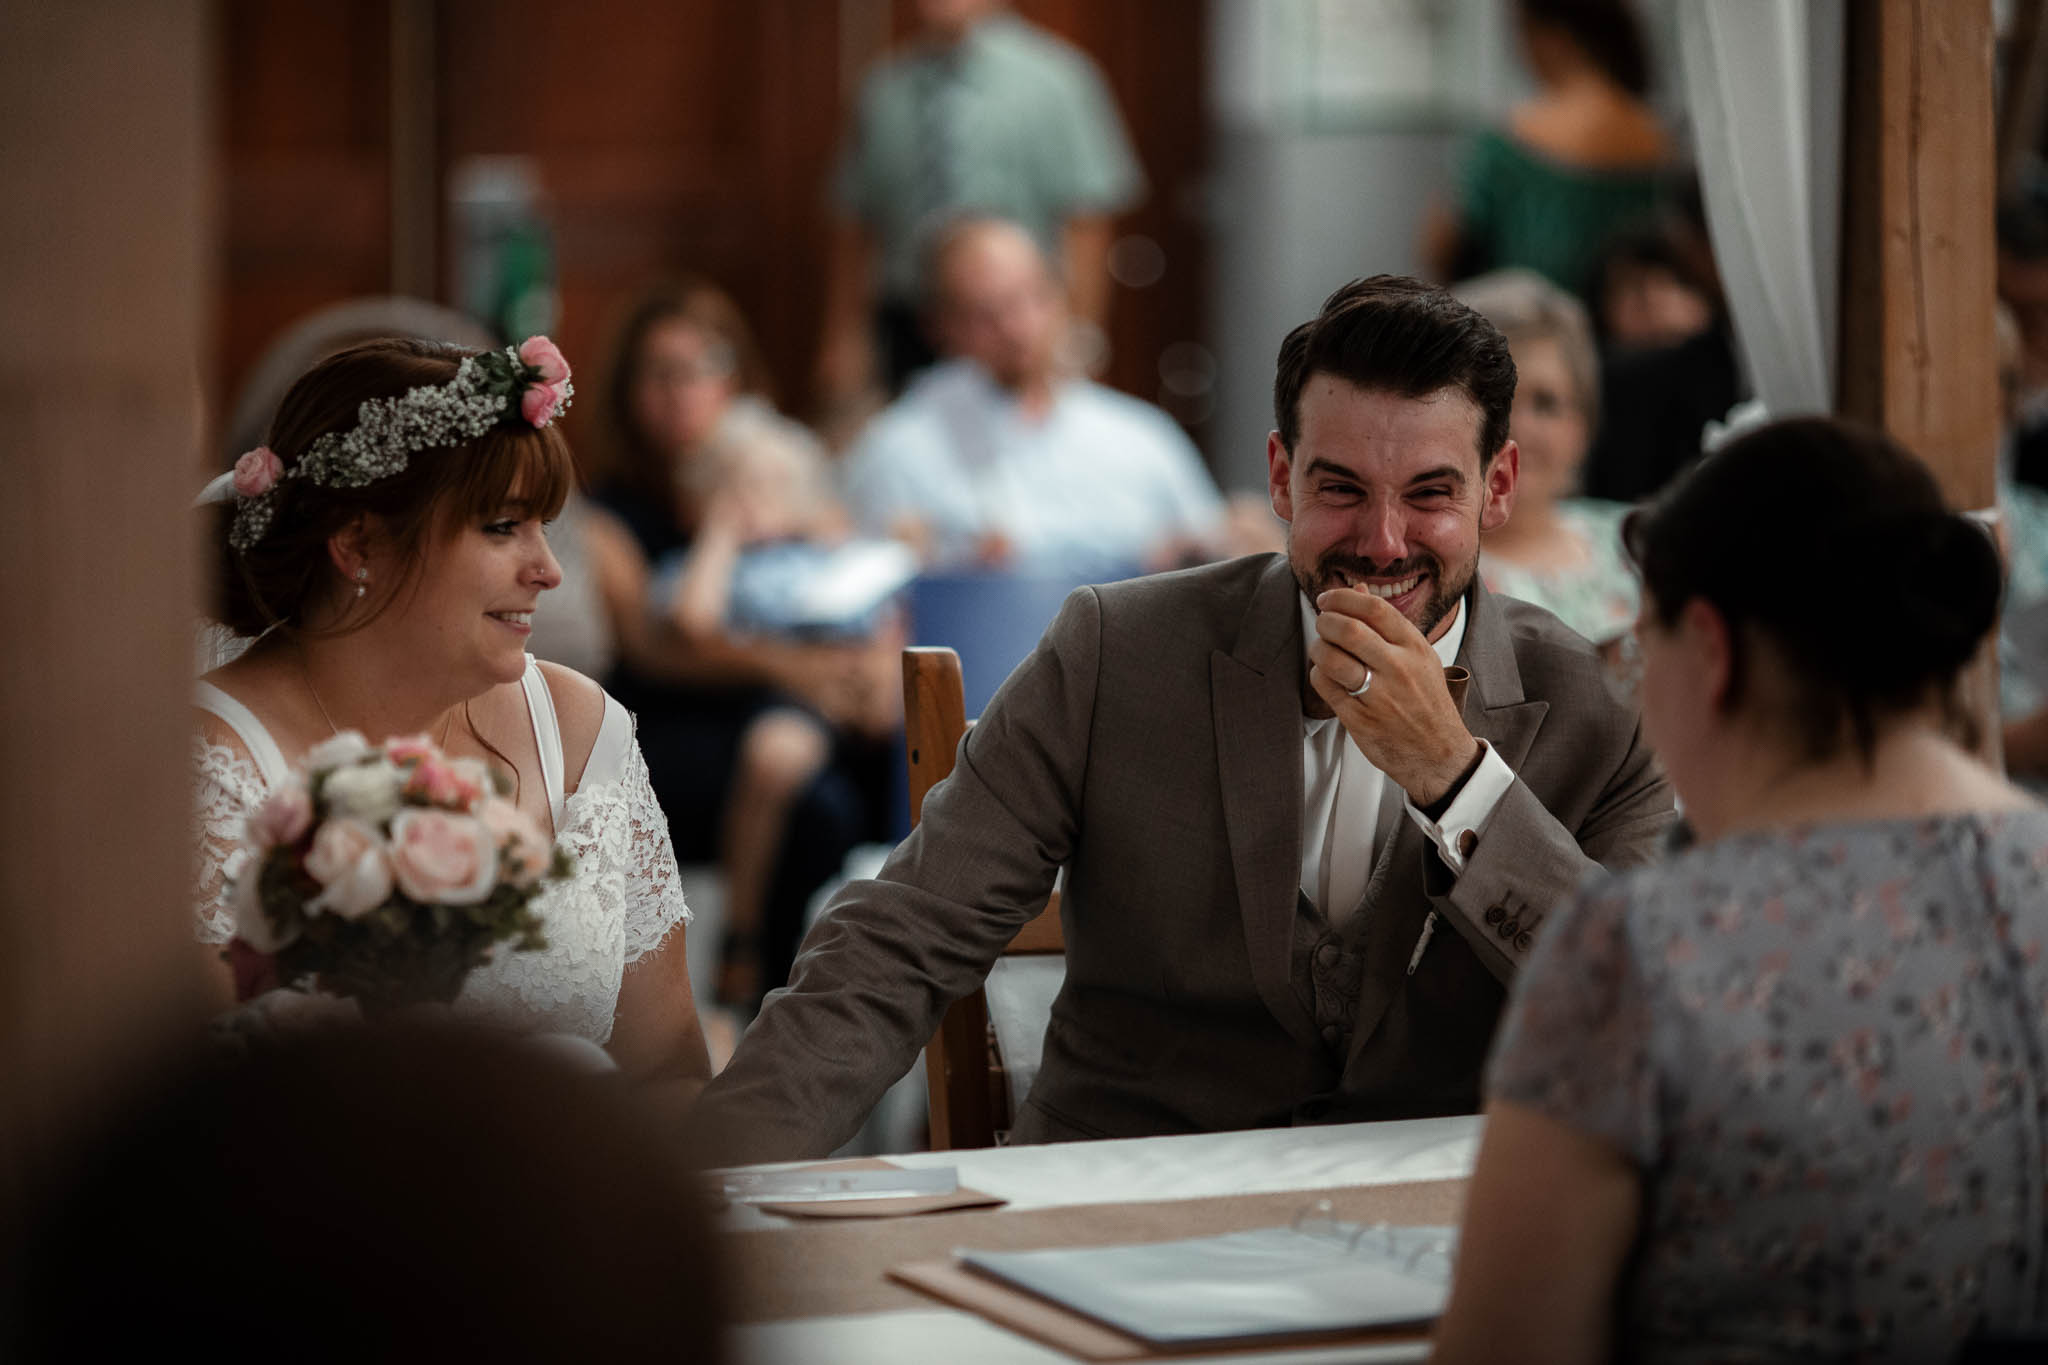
(1422, 943)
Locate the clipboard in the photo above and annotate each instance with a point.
(1070, 1315)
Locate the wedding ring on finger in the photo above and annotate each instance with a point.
(1360, 690)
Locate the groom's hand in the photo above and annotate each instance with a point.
(1405, 722)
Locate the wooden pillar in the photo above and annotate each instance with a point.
(104, 152)
(1919, 261)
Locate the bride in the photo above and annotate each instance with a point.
(387, 549)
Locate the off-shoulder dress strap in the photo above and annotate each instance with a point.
(547, 735)
(263, 750)
(614, 744)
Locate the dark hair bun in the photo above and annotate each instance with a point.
(1833, 542)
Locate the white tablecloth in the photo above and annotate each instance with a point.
(1263, 1161)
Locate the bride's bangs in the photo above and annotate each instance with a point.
(507, 465)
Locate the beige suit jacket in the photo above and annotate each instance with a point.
(1151, 746)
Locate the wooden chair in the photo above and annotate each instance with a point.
(964, 1075)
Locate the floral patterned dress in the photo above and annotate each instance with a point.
(1827, 1051)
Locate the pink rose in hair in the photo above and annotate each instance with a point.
(284, 817)
(257, 472)
(443, 858)
(544, 356)
(537, 404)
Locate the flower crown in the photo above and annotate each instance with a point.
(530, 379)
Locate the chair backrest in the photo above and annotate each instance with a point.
(964, 1074)
(992, 618)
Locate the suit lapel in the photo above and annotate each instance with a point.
(1495, 710)
(1256, 699)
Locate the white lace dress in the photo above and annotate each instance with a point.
(620, 906)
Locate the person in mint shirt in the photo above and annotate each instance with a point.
(980, 114)
(1583, 158)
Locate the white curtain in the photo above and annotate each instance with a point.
(1763, 80)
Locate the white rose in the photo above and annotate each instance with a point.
(252, 925)
(349, 859)
(346, 747)
(370, 792)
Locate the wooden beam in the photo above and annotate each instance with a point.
(107, 161)
(1919, 353)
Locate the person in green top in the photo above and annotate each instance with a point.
(1582, 158)
(981, 114)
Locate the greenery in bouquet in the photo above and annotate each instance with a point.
(388, 873)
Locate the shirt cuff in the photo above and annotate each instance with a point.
(1457, 833)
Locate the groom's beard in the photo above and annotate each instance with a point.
(1337, 569)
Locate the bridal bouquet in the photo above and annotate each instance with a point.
(389, 873)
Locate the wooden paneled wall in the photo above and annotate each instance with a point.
(669, 136)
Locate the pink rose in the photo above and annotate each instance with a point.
(439, 782)
(257, 472)
(544, 356)
(537, 404)
(348, 859)
(406, 748)
(441, 857)
(284, 817)
(524, 849)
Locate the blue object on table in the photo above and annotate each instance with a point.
(992, 620)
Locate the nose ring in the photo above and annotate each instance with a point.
(1360, 690)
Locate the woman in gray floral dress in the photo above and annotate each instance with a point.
(1785, 1096)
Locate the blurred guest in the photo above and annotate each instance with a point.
(1668, 353)
(982, 113)
(370, 1194)
(769, 753)
(1559, 551)
(1581, 158)
(2023, 623)
(2023, 288)
(1001, 458)
(1778, 1097)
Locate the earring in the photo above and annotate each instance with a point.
(362, 575)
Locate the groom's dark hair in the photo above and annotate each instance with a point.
(1400, 336)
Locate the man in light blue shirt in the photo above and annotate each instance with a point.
(997, 458)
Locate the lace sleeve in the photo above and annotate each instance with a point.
(225, 788)
(654, 891)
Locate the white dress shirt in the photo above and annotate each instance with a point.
(1341, 792)
(1087, 487)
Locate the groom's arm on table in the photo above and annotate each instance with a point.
(890, 955)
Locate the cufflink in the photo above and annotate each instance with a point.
(1467, 841)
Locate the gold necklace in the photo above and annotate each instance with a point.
(333, 729)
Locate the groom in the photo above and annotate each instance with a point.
(1301, 865)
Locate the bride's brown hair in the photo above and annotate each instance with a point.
(288, 571)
